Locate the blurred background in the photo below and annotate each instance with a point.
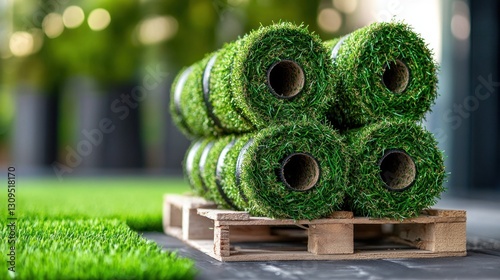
(84, 85)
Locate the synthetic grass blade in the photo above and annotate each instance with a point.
(384, 70)
(396, 170)
(290, 171)
(274, 74)
(88, 249)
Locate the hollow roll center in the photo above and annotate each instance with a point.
(397, 170)
(300, 171)
(285, 78)
(396, 76)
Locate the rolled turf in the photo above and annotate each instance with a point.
(290, 171)
(187, 106)
(274, 74)
(194, 164)
(396, 170)
(210, 173)
(384, 70)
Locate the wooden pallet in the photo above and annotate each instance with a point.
(236, 236)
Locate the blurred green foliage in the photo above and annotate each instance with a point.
(114, 54)
(205, 25)
(111, 55)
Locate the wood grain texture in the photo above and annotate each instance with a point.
(328, 239)
(224, 215)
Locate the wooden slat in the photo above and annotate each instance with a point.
(206, 246)
(445, 213)
(224, 215)
(356, 220)
(188, 201)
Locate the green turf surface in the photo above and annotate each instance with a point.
(84, 229)
(88, 249)
(137, 201)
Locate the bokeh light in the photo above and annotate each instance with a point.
(345, 6)
(460, 21)
(329, 20)
(53, 25)
(99, 19)
(157, 29)
(21, 43)
(73, 17)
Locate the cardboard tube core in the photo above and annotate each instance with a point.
(300, 171)
(397, 170)
(285, 78)
(396, 76)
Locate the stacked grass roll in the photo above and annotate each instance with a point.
(397, 170)
(286, 126)
(381, 71)
(273, 74)
(294, 170)
(386, 80)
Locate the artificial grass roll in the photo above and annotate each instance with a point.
(229, 185)
(218, 93)
(396, 170)
(187, 105)
(293, 171)
(274, 74)
(279, 73)
(384, 70)
(194, 164)
(209, 173)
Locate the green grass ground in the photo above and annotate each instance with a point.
(137, 201)
(84, 229)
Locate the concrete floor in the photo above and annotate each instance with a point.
(482, 260)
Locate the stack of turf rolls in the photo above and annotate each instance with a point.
(287, 126)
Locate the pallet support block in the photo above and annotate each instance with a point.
(445, 235)
(221, 240)
(195, 226)
(327, 239)
(180, 218)
(172, 215)
(434, 237)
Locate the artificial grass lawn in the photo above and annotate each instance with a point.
(137, 201)
(82, 229)
(89, 249)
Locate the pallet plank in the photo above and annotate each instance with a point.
(224, 215)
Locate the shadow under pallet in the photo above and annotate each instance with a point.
(228, 235)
